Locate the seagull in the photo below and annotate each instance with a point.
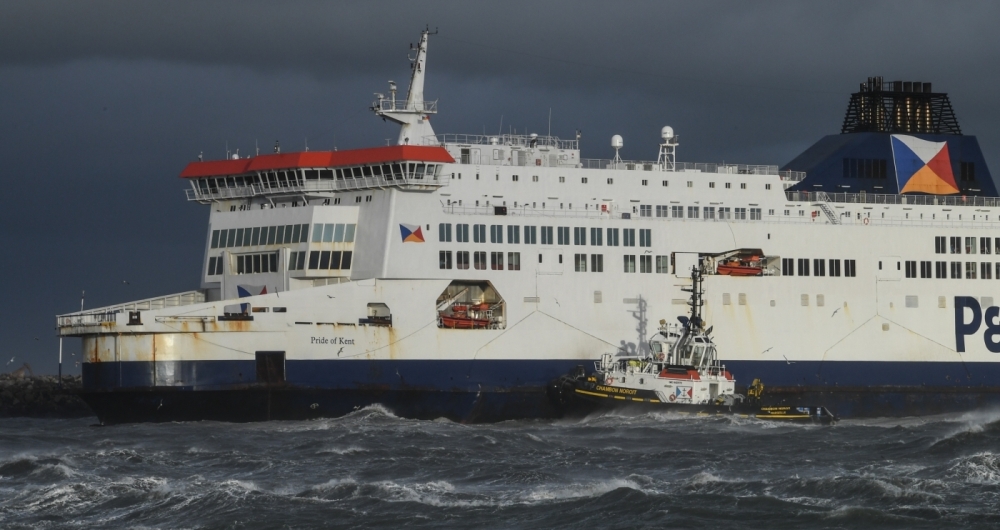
(10, 361)
(342, 349)
(125, 282)
(767, 350)
(787, 361)
(36, 338)
(330, 296)
(835, 312)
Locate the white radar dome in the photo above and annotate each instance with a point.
(667, 132)
(533, 135)
(616, 141)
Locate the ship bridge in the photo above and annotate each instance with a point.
(317, 174)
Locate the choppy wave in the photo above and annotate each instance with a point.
(373, 469)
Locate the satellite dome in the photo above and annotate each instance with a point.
(533, 136)
(667, 132)
(616, 141)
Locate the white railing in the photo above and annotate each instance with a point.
(197, 193)
(879, 198)
(508, 140)
(391, 105)
(107, 314)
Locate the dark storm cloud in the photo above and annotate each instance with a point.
(102, 104)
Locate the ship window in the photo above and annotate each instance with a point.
(835, 267)
(496, 233)
(281, 235)
(255, 236)
(819, 267)
(666, 183)
(629, 237)
(709, 212)
(444, 232)
(288, 233)
(970, 270)
(324, 259)
(513, 261)
(597, 263)
(583, 180)
(911, 269)
(970, 245)
(317, 233)
(956, 270)
(997, 269)
(580, 262)
(629, 263)
(611, 181)
(462, 233)
(328, 233)
(940, 245)
(444, 259)
(296, 233)
(724, 212)
(215, 238)
(346, 261)
(462, 260)
(530, 235)
(496, 261)
(787, 266)
(986, 271)
(338, 233)
(579, 236)
(984, 245)
(849, 268)
(676, 211)
(563, 233)
(740, 214)
(514, 234)
(211, 265)
(803, 268)
(956, 245)
(479, 233)
(326, 174)
(941, 269)
(925, 269)
(596, 237)
(271, 231)
(692, 212)
(662, 264)
(646, 264)
(239, 237)
(743, 185)
(645, 210)
(755, 214)
(547, 235)
(314, 260)
(645, 237)
(479, 260)
(612, 237)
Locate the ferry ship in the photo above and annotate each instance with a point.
(456, 275)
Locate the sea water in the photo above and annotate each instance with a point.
(374, 470)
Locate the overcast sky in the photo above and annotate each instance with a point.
(103, 103)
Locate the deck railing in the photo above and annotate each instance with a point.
(107, 314)
(880, 198)
(313, 186)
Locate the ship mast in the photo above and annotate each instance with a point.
(414, 115)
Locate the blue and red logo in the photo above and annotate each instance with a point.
(922, 166)
(411, 233)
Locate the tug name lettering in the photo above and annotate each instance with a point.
(616, 390)
(331, 340)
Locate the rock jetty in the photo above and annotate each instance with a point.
(41, 397)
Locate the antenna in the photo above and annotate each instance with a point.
(668, 149)
(201, 156)
(256, 147)
(82, 295)
(307, 144)
(550, 121)
(500, 132)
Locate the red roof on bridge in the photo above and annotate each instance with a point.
(318, 159)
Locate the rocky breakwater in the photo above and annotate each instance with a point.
(41, 397)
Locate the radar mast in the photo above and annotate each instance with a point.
(414, 114)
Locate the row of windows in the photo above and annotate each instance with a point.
(256, 263)
(330, 260)
(479, 260)
(865, 168)
(293, 177)
(954, 244)
(260, 235)
(707, 212)
(530, 233)
(943, 269)
(333, 233)
(645, 263)
(820, 267)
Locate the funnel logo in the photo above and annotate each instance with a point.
(922, 166)
(411, 233)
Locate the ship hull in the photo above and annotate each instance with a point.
(487, 391)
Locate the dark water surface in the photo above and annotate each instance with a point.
(374, 470)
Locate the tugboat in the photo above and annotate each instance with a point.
(681, 373)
